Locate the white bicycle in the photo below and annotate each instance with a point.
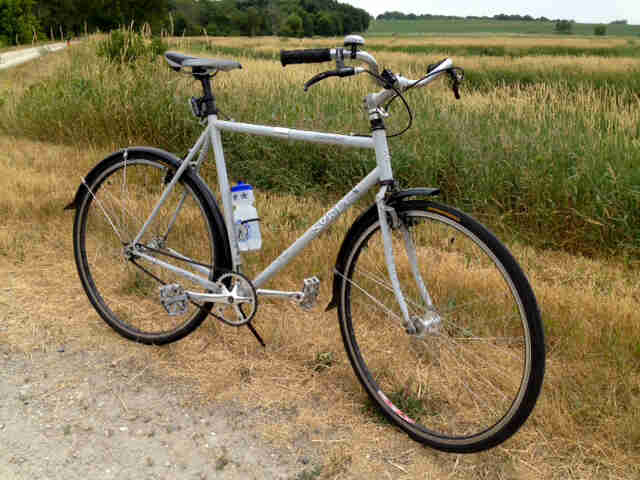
(438, 320)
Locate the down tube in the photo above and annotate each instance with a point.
(318, 227)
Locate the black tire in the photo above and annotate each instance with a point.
(472, 380)
(119, 197)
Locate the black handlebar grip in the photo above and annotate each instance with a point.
(313, 55)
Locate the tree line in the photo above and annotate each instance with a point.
(394, 15)
(23, 21)
(427, 16)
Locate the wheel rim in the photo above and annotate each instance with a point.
(463, 383)
(115, 209)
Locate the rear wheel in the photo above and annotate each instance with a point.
(125, 290)
(466, 373)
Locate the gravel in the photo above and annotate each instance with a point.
(77, 415)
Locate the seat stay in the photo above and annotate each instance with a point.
(169, 188)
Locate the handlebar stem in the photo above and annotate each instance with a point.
(362, 56)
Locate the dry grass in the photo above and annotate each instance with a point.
(17, 79)
(521, 41)
(538, 63)
(585, 425)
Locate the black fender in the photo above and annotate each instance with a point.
(364, 218)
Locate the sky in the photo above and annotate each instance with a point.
(582, 11)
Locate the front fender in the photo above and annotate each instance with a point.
(82, 188)
(364, 218)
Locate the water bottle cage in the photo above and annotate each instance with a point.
(242, 230)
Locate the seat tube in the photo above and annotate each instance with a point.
(225, 189)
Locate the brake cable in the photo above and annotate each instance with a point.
(399, 94)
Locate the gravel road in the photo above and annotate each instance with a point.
(78, 415)
(16, 57)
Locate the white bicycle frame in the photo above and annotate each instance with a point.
(382, 174)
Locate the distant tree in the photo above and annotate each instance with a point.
(307, 24)
(293, 26)
(253, 21)
(239, 22)
(619, 22)
(564, 26)
(18, 23)
(600, 30)
(191, 17)
(324, 24)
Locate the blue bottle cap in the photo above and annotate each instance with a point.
(241, 187)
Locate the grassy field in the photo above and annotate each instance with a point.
(564, 176)
(551, 164)
(488, 27)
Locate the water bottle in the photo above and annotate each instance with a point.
(245, 217)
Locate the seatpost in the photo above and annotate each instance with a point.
(208, 99)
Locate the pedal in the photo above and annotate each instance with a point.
(310, 290)
(173, 299)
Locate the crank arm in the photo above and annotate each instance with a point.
(227, 299)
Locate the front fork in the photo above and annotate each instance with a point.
(389, 220)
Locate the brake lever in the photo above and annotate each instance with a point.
(343, 72)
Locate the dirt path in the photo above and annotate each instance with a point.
(77, 414)
(17, 57)
(75, 411)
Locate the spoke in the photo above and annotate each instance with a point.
(103, 210)
(468, 334)
(471, 368)
(118, 204)
(388, 287)
(375, 300)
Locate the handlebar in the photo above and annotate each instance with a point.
(313, 55)
(397, 83)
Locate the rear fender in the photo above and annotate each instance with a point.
(366, 217)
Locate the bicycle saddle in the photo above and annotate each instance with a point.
(178, 61)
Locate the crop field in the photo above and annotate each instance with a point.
(543, 147)
(486, 27)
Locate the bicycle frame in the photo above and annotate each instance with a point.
(382, 174)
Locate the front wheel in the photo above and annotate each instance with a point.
(464, 374)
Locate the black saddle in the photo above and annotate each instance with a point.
(178, 61)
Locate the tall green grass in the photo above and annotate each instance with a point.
(626, 84)
(465, 27)
(553, 163)
(617, 51)
(511, 51)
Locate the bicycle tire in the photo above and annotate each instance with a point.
(474, 378)
(117, 198)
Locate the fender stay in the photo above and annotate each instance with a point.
(82, 189)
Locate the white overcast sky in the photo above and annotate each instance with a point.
(583, 11)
